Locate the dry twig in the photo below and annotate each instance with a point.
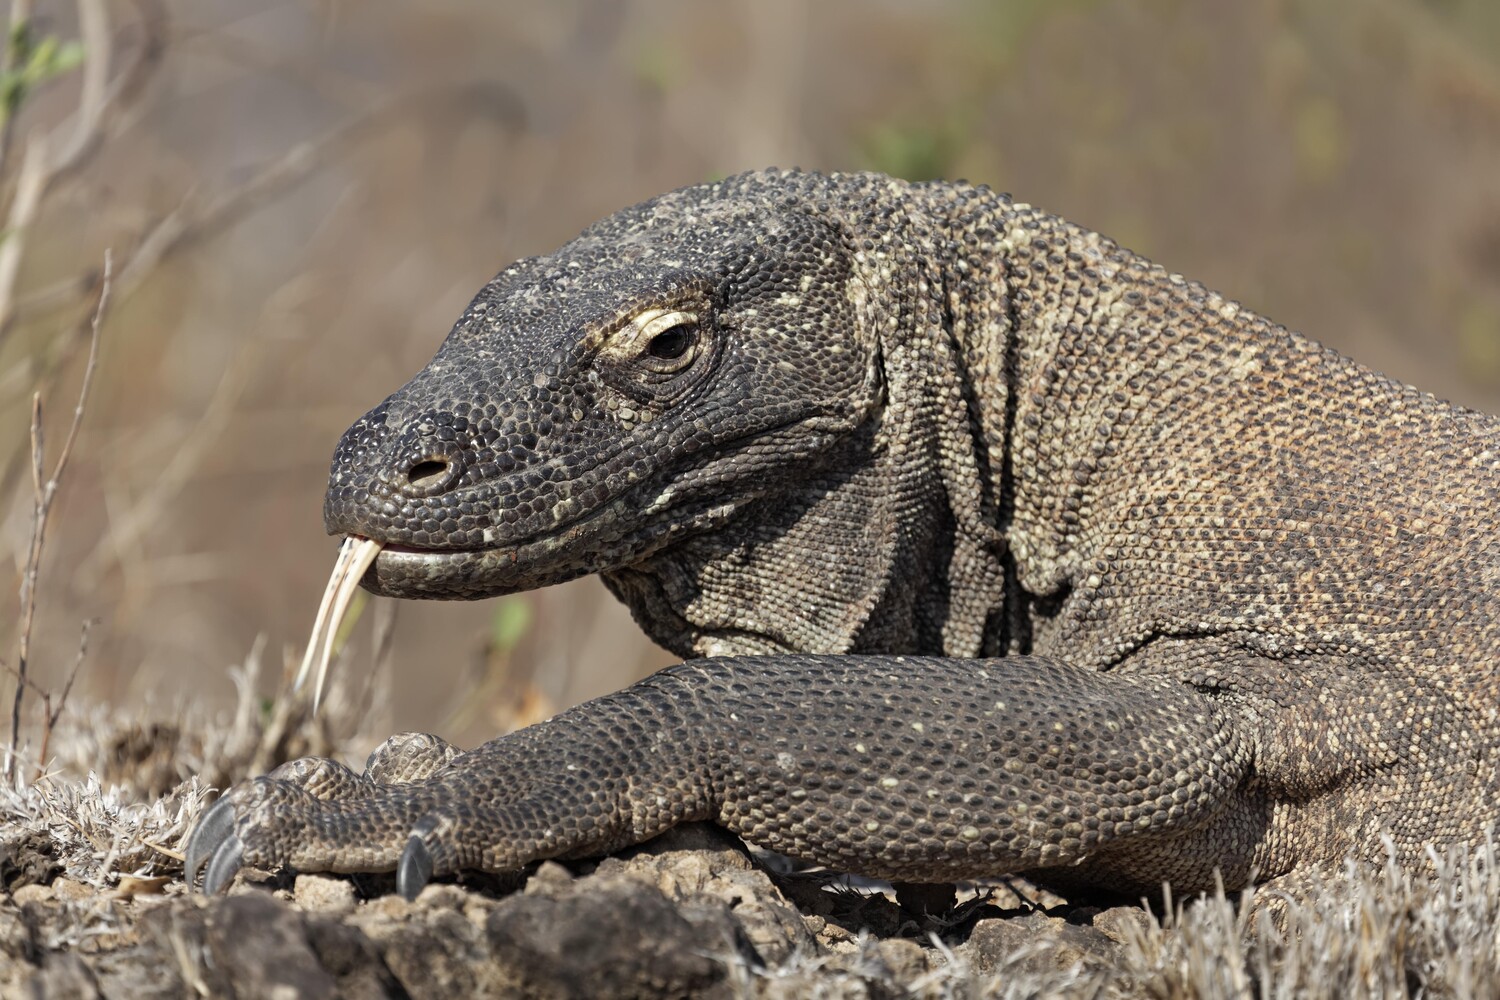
(53, 713)
(43, 493)
(51, 154)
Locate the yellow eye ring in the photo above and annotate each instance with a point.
(664, 338)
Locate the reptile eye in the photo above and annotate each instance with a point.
(672, 343)
(664, 341)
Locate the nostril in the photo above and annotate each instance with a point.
(427, 473)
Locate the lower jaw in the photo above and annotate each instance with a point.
(462, 576)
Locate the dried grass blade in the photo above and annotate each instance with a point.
(361, 556)
(321, 621)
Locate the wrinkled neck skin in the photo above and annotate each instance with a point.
(890, 541)
(1013, 348)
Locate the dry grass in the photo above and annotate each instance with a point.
(122, 790)
(1360, 932)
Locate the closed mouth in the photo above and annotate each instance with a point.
(396, 548)
(562, 531)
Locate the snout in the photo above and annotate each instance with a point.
(413, 481)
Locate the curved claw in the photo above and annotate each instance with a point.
(213, 827)
(224, 865)
(415, 869)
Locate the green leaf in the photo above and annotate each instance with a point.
(33, 63)
(510, 623)
(68, 57)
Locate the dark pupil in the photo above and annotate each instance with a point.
(669, 345)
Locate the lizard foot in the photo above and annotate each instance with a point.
(272, 824)
(422, 808)
(216, 848)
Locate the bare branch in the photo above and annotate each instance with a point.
(43, 495)
(30, 186)
(37, 448)
(28, 582)
(55, 714)
(88, 373)
(88, 117)
(69, 146)
(198, 217)
(51, 714)
(35, 688)
(110, 111)
(153, 25)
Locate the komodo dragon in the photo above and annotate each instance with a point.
(992, 547)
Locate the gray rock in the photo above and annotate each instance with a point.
(613, 937)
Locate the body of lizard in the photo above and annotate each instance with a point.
(991, 546)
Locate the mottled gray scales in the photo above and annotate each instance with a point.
(1129, 583)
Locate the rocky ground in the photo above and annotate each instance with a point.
(93, 905)
(688, 915)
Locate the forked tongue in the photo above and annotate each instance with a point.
(355, 556)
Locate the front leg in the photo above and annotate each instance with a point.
(910, 768)
(587, 782)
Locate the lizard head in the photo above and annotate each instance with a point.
(649, 380)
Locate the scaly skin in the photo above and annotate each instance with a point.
(1243, 590)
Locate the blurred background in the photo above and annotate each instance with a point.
(301, 196)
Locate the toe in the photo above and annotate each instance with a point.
(224, 865)
(415, 869)
(213, 827)
(408, 757)
(322, 778)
